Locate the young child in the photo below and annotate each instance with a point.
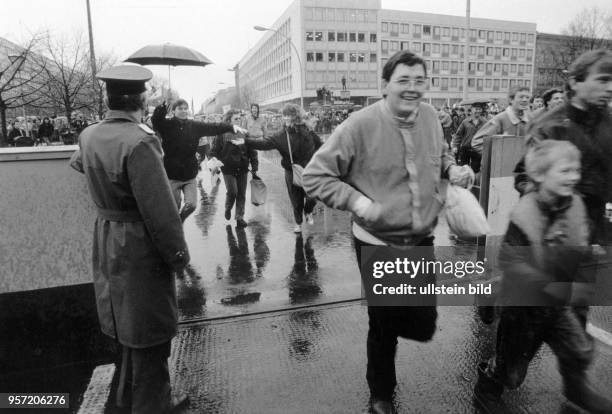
(544, 246)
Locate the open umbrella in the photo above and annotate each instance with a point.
(475, 101)
(168, 54)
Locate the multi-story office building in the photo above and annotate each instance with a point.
(343, 44)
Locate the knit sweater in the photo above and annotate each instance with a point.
(394, 163)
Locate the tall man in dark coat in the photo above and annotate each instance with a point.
(138, 241)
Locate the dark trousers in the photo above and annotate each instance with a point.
(144, 379)
(386, 324)
(522, 331)
(236, 185)
(300, 202)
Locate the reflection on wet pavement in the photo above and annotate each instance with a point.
(265, 266)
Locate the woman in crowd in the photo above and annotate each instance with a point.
(304, 143)
(551, 98)
(45, 131)
(231, 149)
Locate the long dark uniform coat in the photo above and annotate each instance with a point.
(138, 235)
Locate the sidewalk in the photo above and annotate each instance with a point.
(313, 361)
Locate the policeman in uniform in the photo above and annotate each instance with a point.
(138, 241)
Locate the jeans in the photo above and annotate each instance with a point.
(299, 201)
(236, 185)
(188, 188)
(386, 324)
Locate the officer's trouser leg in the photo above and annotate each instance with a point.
(145, 378)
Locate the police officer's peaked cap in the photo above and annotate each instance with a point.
(125, 79)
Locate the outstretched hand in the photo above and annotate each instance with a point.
(239, 130)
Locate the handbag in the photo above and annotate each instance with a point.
(297, 169)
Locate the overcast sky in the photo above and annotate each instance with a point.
(223, 30)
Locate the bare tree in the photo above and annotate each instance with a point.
(67, 74)
(19, 85)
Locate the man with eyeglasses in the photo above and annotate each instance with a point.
(385, 164)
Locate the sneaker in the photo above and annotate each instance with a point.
(309, 219)
(297, 228)
(228, 214)
(241, 223)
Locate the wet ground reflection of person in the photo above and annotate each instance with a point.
(303, 281)
(240, 270)
(208, 206)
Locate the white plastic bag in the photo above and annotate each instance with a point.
(259, 192)
(214, 166)
(463, 213)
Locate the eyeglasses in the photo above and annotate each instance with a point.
(417, 82)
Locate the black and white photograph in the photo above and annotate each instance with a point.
(306, 207)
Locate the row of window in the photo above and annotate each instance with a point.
(359, 37)
(495, 84)
(321, 14)
(358, 57)
(456, 32)
(274, 49)
(353, 78)
(279, 87)
(450, 49)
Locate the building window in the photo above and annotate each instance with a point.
(384, 27)
(499, 35)
(481, 50)
(331, 57)
(352, 37)
(340, 56)
(528, 83)
(530, 39)
(521, 68)
(353, 57)
(405, 28)
(488, 83)
(394, 46)
(361, 37)
(341, 37)
(394, 28)
(436, 30)
(455, 32)
(496, 83)
(309, 57)
(436, 48)
(497, 67)
(529, 54)
(505, 67)
(490, 51)
(360, 57)
(309, 36)
(473, 33)
(512, 68)
(453, 82)
(444, 82)
(489, 67)
(330, 15)
(319, 57)
(472, 66)
(372, 57)
(404, 46)
(427, 47)
(454, 66)
(480, 67)
(416, 28)
(528, 68)
(416, 47)
(504, 83)
(331, 36)
(455, 50)
(372, 37)
(446, 31)
(479, 83)
(482, 34)
(427, 30)
(506, 52)
(523, 37)
(318, 14)
(445, 65)
(318, 36)
(513, 54)
(435, 82)
(471, 82)
(514, 36)
(490, 35)
(436, 65)
(445, 48)
(498, 51)
(472, 50)
(384, 45)
(521, 53)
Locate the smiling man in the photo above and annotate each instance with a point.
(385, 164)
(512, 121)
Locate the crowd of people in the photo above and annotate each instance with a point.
(387, 164)
(30, 131)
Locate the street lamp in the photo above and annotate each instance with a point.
(263, 29)
(13, 59)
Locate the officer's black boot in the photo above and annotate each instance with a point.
(579, 391)
(488, 391)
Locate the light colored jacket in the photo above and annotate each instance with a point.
(504, 123)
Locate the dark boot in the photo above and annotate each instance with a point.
(488, 391)
(578, 390)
